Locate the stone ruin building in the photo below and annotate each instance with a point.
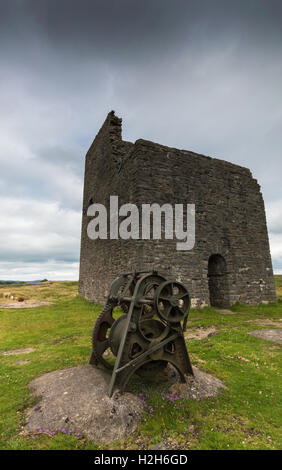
(230, 261)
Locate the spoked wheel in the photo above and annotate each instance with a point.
(172, 301)
(100, 335)
(147, 292)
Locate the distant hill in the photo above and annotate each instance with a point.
(5, 282)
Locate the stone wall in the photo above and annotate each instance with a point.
(101, 261)
(230, 219)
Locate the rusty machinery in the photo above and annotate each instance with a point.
(147, 334)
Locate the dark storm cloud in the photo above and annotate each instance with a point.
(128, 28)
(200, 75)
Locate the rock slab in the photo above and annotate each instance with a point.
(199, 387)
(76, 399)
(269, 335)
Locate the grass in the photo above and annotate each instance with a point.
(48, 291)
(246, 416)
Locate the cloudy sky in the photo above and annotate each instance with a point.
(198, 75)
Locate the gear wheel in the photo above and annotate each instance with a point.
(100, 340)
(148, 334)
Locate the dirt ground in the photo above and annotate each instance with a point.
(24, 304)
(200, 332)
(13, 352)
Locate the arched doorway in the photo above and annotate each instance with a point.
(218, 285)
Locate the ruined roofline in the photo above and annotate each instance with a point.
(113, 126)
(165, 148)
